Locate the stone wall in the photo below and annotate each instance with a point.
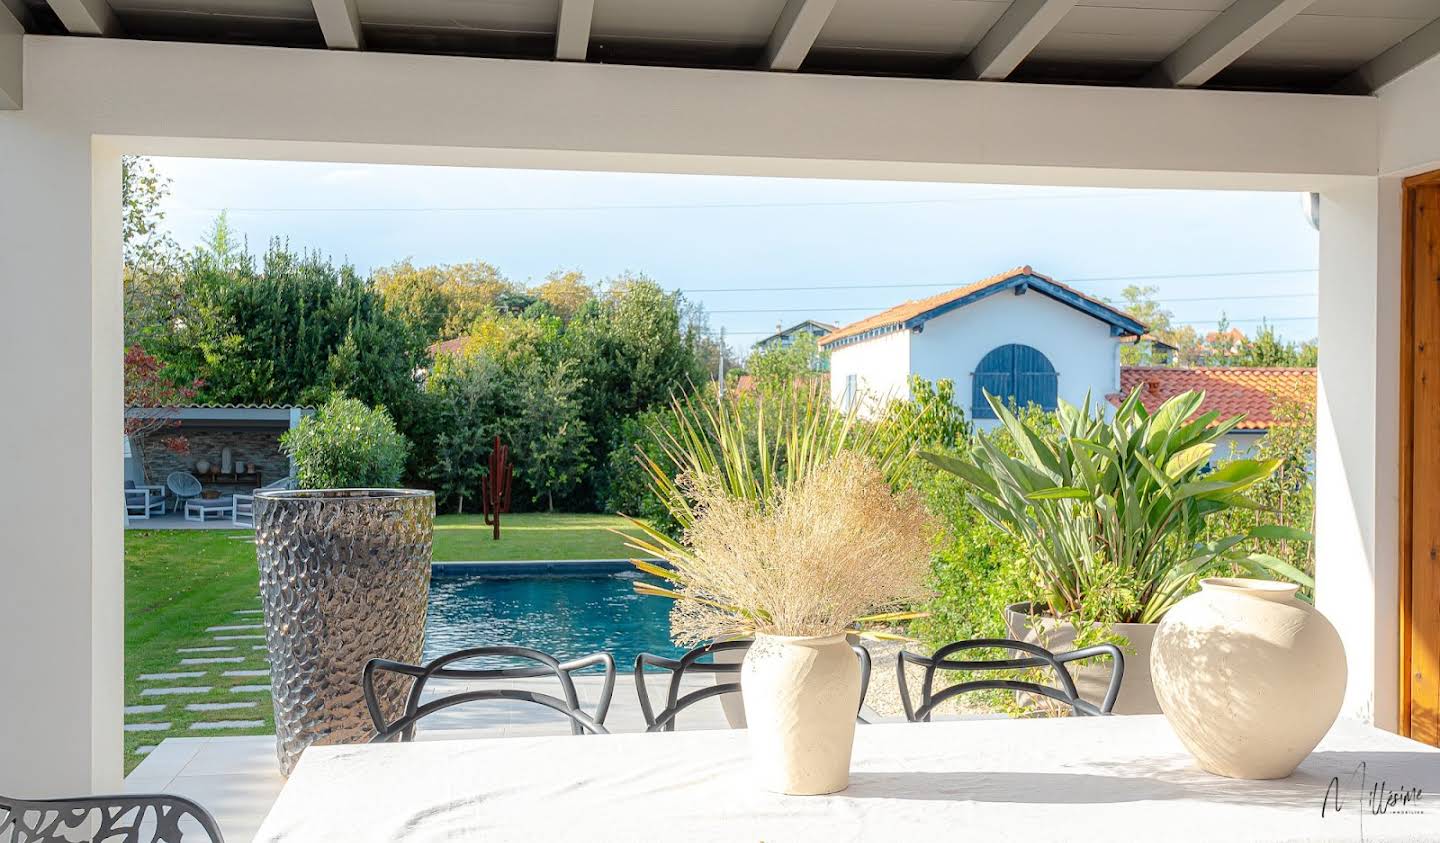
(260, 447)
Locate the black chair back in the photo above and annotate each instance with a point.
(136, 818)
(690, 663)
(1038, 657)
(546, 665)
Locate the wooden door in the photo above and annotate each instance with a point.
(1420, 461)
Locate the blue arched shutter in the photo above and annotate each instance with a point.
(1013, 372)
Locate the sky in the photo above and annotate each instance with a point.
(761, 252)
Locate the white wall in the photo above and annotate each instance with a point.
(881, 367)
(1079, 346)
(88, 100)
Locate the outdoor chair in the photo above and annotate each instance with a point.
(244, 512)
(143, 501)
(1038, 657)
(157, 818)
(690, 662)
(183, 485)
(403, 727)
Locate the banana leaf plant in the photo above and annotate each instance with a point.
(1125, 499)
(754, 444)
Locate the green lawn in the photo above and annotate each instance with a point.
(179, 582)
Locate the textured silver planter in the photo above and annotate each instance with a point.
(345, 577)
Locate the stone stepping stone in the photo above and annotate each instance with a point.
(217, 660)
(235, 628)
(147, 727)
(239, 673)
(204, 649)
(144, 750)
(144, 709)
(151, 677)
(220, 706)
(227, 724)
(249, 611)
(249, 689)
(169, 692)
(258, 647)
(239, 638)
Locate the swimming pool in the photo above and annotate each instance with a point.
(565, 614)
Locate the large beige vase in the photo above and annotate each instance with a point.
(801, 695)
(1249, 676)
(1092, 677)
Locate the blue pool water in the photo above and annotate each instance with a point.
(566, 615)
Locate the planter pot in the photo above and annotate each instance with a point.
(800, 697)
(732, 705)
(345, 577)
(1250, 677)
(1137, 694)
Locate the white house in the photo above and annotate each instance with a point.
(1018, 334)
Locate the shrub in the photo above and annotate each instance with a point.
(346, 445)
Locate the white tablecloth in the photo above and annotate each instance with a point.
(1102, 779)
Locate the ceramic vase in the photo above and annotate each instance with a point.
(1249, 676)
(345, 577)
(202, 467)
(801, 696)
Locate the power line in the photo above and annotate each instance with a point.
(1248, 319)
(878, 309)
(951, 285)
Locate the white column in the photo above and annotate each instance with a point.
(1356, 457)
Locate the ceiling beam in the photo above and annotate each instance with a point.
(12, 63)
(86, 17)
(340, 24)
(1420, 47)
(795, 32)
(572, 33)
(1229, 36)
(1013, 36)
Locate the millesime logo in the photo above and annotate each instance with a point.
(1359, 795)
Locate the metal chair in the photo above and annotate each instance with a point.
(104, 819)
(404, 726)
(1039, 658)
(675, 703)
(183, 485)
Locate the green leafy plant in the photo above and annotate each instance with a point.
(1113, 512)
(346, 445)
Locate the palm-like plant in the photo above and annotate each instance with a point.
(1118, 502)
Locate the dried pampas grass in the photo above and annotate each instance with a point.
(832, 547)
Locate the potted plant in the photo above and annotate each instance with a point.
(1113, 513)
(798, 568)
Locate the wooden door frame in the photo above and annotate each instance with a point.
(1407, 428)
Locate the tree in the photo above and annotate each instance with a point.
(414, 296)
(149, 388)
(1267, 348)
(781, 366)
(346, 445)
(566, 292)
(1141, 303)
(548, 433)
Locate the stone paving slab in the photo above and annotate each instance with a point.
(239, 638)
(144, 750)
(249, 611)
(147, 727)
(225, 706)
(250, 689)
(217, 660)
(153, 677)
(218, 649)
(163, 692)
(234, 627)
(144, 709)
(238, 673)
(227, 724)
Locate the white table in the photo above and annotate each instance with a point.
(1064, 779)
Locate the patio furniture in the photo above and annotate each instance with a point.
(690, 662)
(547, 665)
(158, 818)
(143, 501)
(1039, 658)
(1084, 779)
(244, 514)
(183, 485)
(201, 509)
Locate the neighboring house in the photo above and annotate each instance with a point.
(1020, 335)
(251, 432)
(1255, 393)
(784, 338)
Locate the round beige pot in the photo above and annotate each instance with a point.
(800, 698)
(1249, 676)
(1092, 678)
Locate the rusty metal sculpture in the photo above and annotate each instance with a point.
(495, 488)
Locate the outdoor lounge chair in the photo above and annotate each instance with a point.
(1039, 658)
(183, 485)
(201, 509)
(403, 727)
(143, 501)
(157, 818)
(675, 703)
(244, 514)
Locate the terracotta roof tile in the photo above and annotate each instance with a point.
(1229, 390)
(455, 346)
(901, 313)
